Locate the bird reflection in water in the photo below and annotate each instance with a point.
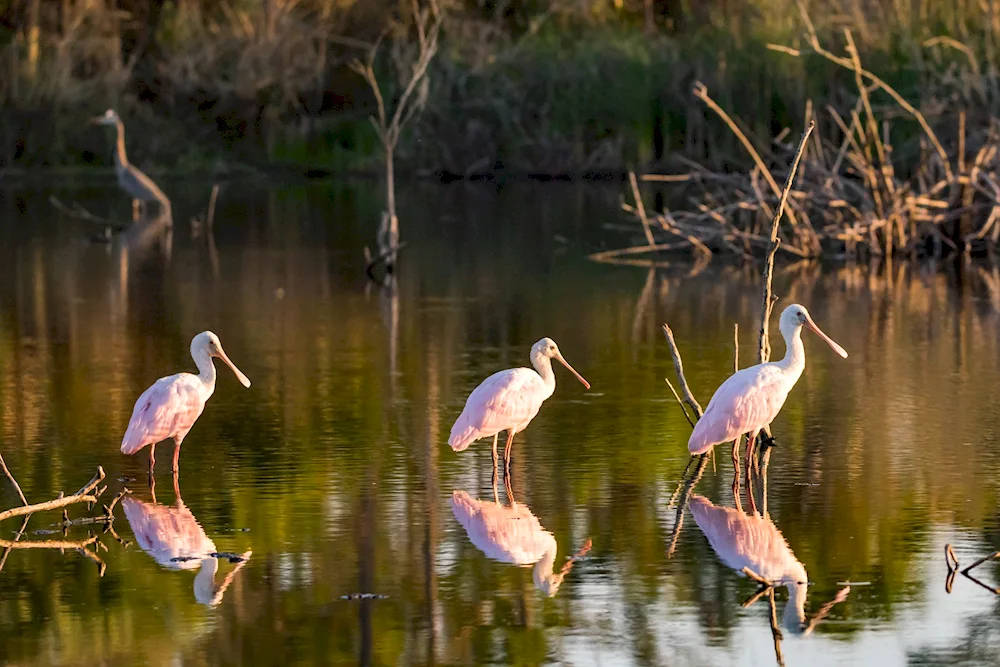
(512, 534)
(175, 540)
(753, 545)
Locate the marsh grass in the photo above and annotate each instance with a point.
(540, 87)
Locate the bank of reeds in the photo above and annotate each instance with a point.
(548, 87)
(854, 196)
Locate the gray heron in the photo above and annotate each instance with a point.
(137, 184)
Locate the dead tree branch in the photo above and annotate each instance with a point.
(84, 495)
(389, 124)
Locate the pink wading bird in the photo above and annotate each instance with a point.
(170, 407)
(508, 400)
(752, 397)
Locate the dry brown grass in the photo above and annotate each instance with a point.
(851, 199)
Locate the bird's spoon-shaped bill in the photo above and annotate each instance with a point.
(244, 380)
(829, 341)
(578, 376)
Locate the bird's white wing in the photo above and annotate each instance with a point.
(502, 401)
(172, 404)
(747, 401)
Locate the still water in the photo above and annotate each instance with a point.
(333, 472)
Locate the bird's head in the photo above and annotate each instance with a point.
(109, 117)
(208, 343)
(547, 348)
(796, 316)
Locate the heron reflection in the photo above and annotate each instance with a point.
(175, 540)
(512, 534)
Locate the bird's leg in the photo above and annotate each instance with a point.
(751, 441)
(152, 458)
(736, 455)
(177, 453)
(135, 210)
(506, 452)
(736, 470)
(495, 462)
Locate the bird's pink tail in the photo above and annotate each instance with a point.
(702, 437)
(132, 442)
(461, 440)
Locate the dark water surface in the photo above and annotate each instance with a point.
(333, 468)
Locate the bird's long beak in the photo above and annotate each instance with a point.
(572, 370)
(829, 341)
(244, 380)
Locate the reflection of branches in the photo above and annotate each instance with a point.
(951, 560)
(88, 494)
(80, 213)
(80, 546)
(7, 550)
(640, 308)
(682, 504)
(966, 571)
(775, 630)
(371, 263)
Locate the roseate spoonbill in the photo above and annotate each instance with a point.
(754, 542)
(140, 186)
(508, 400)
(513, 535)
(175, 540)
(752, 397)
(170, 407)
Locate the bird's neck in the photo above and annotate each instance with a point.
(795, 609)
(204, 581)
(795, 353)
(121, 160)
(206, 370)
(542, 573)
(543, 365)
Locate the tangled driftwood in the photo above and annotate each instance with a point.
(851, 199)
(89, 494)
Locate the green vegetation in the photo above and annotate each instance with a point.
(526, 85)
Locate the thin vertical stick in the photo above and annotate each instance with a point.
(640, 208)
(210, 217)
(775, 630)
(679, 367)
(736, 346)
(12, 480)
(682, 505)
(764, 346)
